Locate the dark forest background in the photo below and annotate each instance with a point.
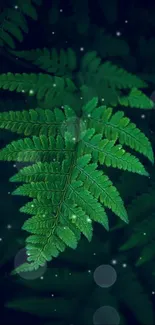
(65, 292)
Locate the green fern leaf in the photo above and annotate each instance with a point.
(117, 127)
(100, 186)
(25, 267)
(45, 87)
(38, 172)
(32, 150)
(68, 194)
(136, 99)
(119, 78)
(13, 23)
(107, 73)
(28, 9)
(33, 122)
(67, 236)
(16, 18)
(51, 60)
(6, 38)
(35, 207)
(106, 152)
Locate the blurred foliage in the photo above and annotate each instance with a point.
(93, 27)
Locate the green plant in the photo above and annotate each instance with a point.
(13, 22)
(68, 190)
(86, 77)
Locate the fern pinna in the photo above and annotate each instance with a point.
(69, 192)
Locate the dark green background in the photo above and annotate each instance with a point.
(75, 292)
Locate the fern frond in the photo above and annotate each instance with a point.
(36, 149)
(106, 152)
(38, 172)
(100, 186)
(45, 87)
(95, 181)
(25, 267)
(106, 73)
(36, 207)
(13, 22)
(68, 194)
(117, 127)
(33, 122)
(60, 64)
(136, 99)
(28, 9)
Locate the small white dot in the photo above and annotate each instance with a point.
(52, 295)
(9, 226)
(32, 206)
(56, 275)
(81, 97)
(1, 239)
(94, 253)
(16, 7)
(53, 33)
(8, 192)
(61, 10)
(89, 220)
(153, 292)
(118, 33)
(23, 91)
(31, 92)
(41, 278)
(64, 227)
(143, 116)
(140, 258)
(102, 99)
(73, 216)
(144, 233)
(126, 21)
(113, 262)
(54, 85)
(124, 265)
(89, 115)
(89, 271)
(81, 49)
(70, 273)
(55, 310)
(14, 165)
(74, 139)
